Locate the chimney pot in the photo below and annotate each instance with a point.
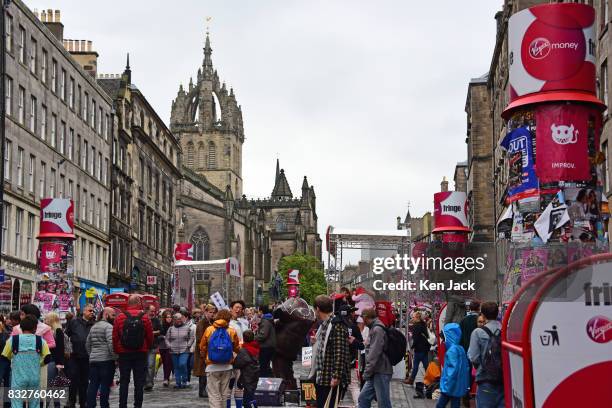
(43, 16)
(89, 45)
(49, 15)
(57, 16)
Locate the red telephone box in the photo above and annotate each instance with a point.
(117, 300)
(149, 299)
(555, 336)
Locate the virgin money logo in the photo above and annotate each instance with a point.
(539, 48)
(50, 254)
(599, 329)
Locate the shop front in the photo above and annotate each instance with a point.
(89, 291)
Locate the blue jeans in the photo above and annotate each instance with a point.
(419, 357)
(445, 399)
(490, 395)
(101, 374)
(377, 386)
(180, 362)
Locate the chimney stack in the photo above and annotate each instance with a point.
(444, 185)
(83, 52)
(52, 20)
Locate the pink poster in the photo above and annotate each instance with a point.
(562, 152)
(534, 261)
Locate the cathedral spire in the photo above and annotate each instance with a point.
(277, 171)
(208, 67)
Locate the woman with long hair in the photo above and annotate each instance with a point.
(164, 347)
(58, 356)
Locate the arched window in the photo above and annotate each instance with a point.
(201, 156)
(212, 155)
(201, 245)
(190, 154)
(281, 223)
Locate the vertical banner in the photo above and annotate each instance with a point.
(522, 180)
(183, 251)
(562, 142)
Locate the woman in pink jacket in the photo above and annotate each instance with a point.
(42, 329)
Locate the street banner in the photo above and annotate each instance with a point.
(522, 180)
(450, 211)
(183, 251)
(552, 48)
(562, 142)
(56, 218)
(232, 266)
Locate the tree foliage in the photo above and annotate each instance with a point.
(312, 277)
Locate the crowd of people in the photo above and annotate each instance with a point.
(228, 350)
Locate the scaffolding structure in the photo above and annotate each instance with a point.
(201, 279)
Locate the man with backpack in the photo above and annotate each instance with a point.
(217, 347)
(78, 364)
(485, 353)
(132, 340)
(378, 368)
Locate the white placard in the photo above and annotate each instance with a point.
(306, 356)
(218, 301)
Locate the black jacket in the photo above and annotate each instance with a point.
(266, 334)
(78, 330)
(420, 342)
(57, 353)
(249, 370)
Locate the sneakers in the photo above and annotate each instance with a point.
(409, 381)
(166, 383)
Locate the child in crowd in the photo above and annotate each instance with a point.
(455, 379)
(247, 361)
(28, 352)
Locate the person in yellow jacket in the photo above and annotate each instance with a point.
(218, 347)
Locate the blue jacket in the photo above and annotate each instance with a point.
(455, 379)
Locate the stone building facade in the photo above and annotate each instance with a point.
(145, 173)
(213, 213)
(58, 133)
(479, 185)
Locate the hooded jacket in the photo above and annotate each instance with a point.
(455, 379)
(247, 361)
(99, 344)
(147, 344)
(78, 330)
(180, 338)
(377, 361)
(209, 331)
(42, 330)
(266, 333)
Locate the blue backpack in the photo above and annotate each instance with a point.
(220, 347)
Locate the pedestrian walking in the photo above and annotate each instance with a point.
(191, 323)
(331, 355)
(78, 366)
(180, 338)
(218, 345)
(247, 361)
(485, 353)
(420, 345)
(152, 354)
(240, 325)
(468, 324)
(346, 314)
(132, 340)
(102, 359)
(58, 353)
(455, 380)
(27, 353)
(266, 337)
(164, 348)
(378, 369)
(199, 366)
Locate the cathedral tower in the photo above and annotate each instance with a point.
(207, 120)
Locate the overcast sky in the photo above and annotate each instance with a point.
(365, 98)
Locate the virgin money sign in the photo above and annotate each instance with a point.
(562, 142)
(56, 218)
(450, 211)
(183, 251)
(552, 48)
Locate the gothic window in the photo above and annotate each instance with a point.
(217, 114)
(195, 110)
(190, 154)
(201, 245)
(281, 223)
(212, 155)
(201, 156)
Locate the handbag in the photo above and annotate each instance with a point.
(60, 380)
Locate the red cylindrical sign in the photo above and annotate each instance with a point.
(552, 51)
(56, 218)
(450, 211)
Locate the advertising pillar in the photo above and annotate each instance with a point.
(54, 286)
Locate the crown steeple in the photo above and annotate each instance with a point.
(207, 65)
